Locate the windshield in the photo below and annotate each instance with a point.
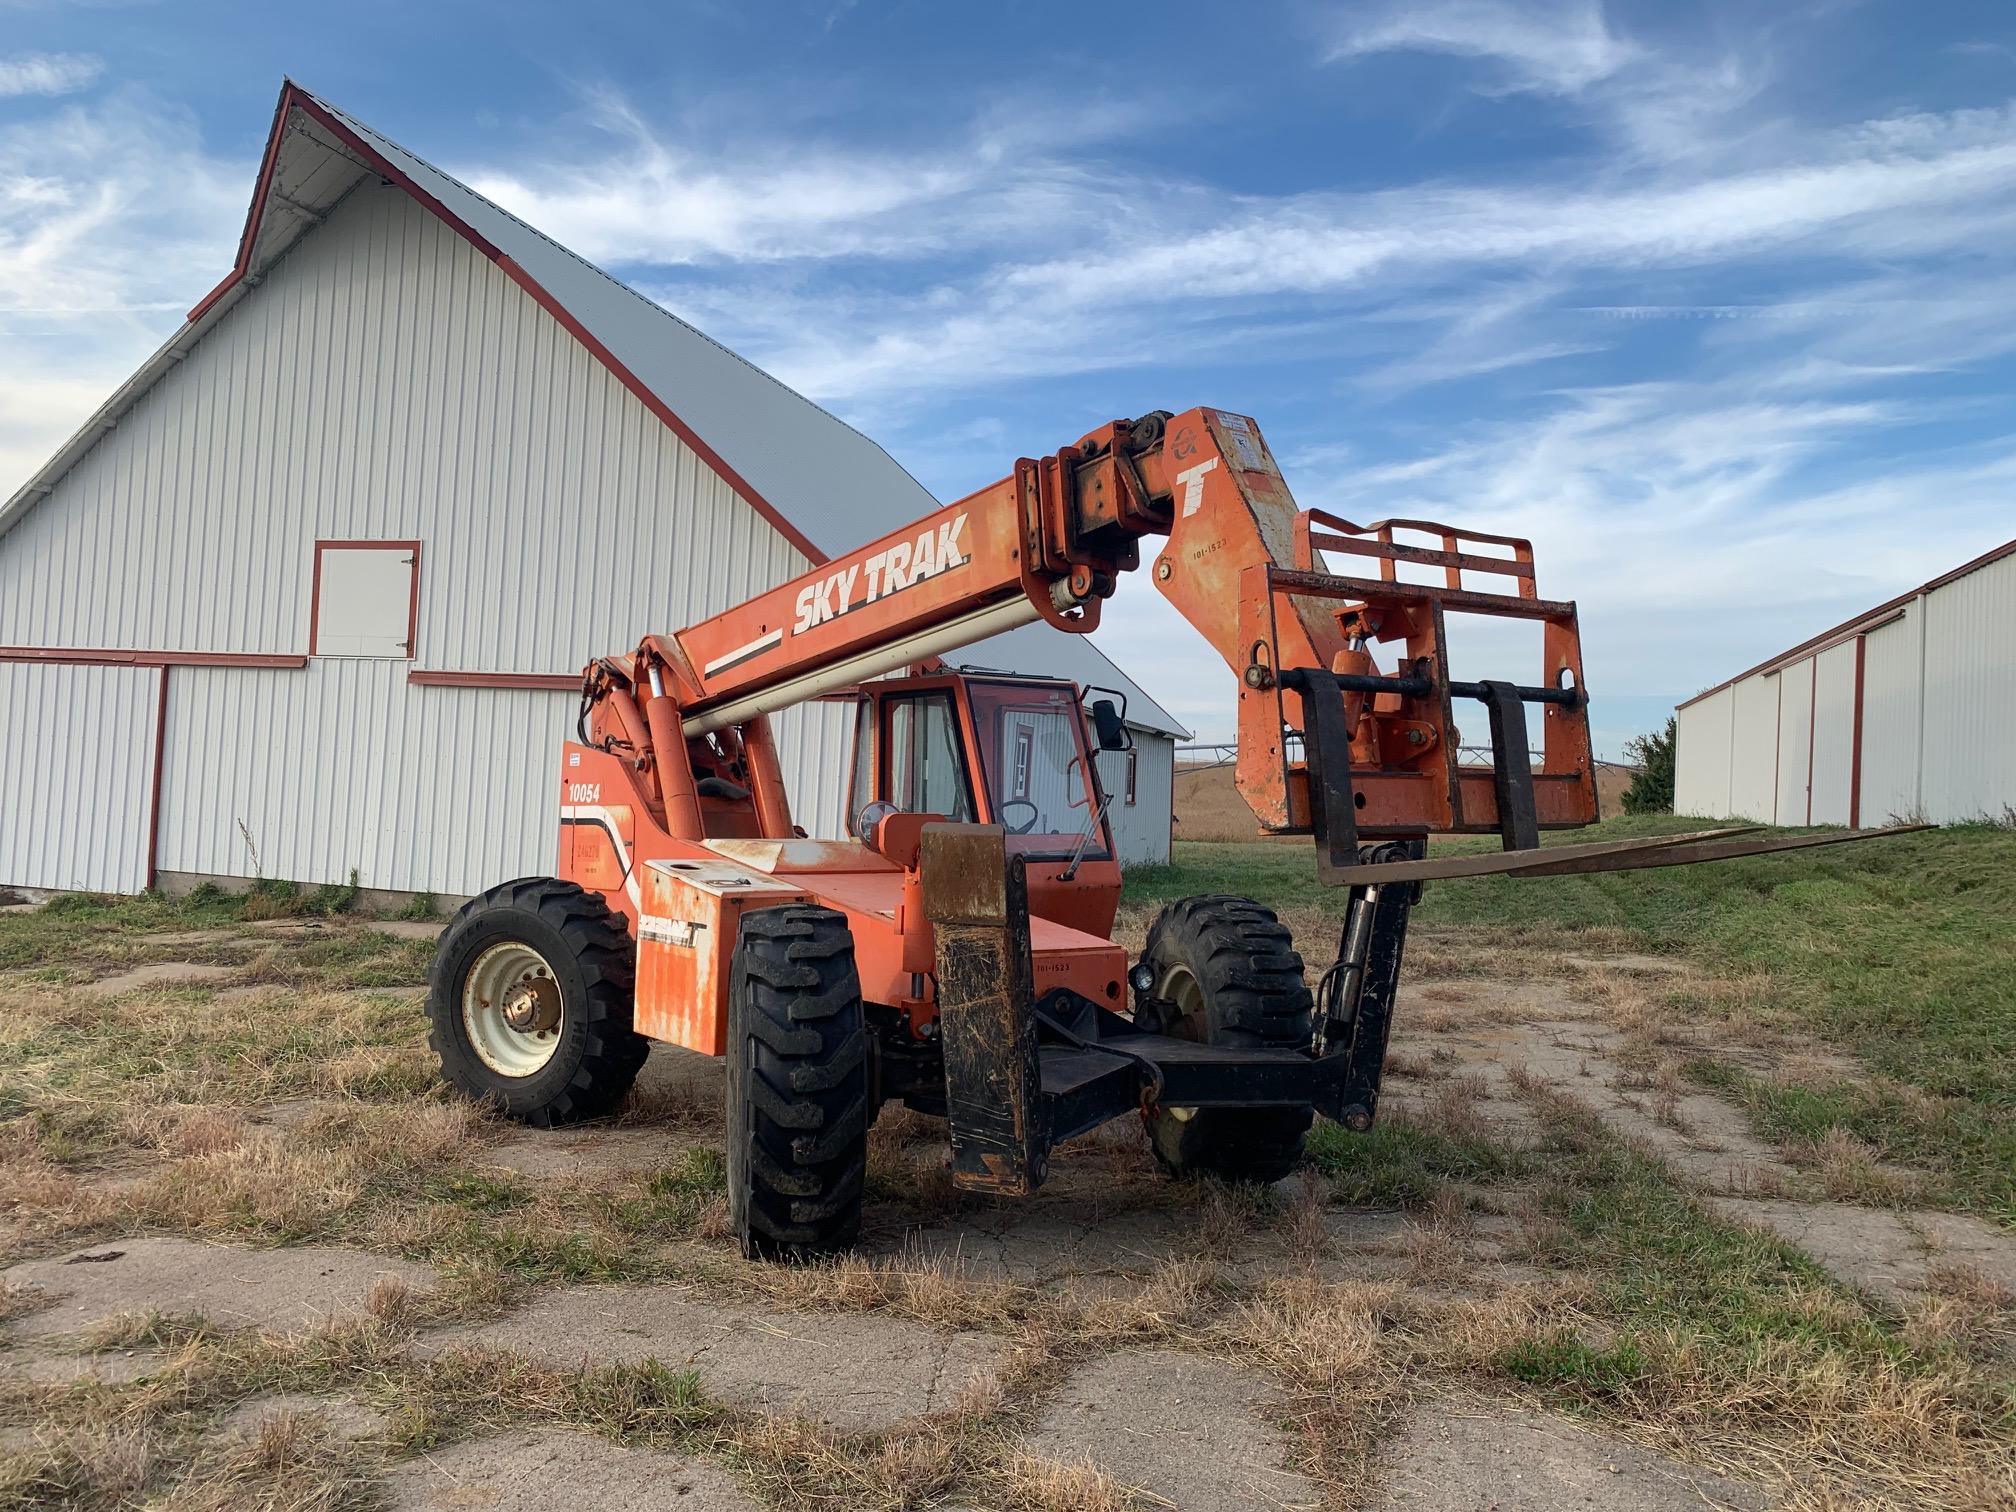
(1031, 738)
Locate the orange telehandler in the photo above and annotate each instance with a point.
(955, 953)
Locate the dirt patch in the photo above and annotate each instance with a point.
(535, 1472)
(1460, 1458)
(159, 974)
(280, 1289)
(850, 1371)
(1190, 1432)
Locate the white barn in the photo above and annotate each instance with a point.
(1905, 712)
(311, 591)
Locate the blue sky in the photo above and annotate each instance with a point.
(1712, 301)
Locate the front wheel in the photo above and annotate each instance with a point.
(529, 1002)
(1224, 971)
(797, 1085)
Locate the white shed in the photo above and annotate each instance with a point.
(311, 591)
(1905, 712)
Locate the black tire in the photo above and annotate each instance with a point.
(592, 962)
(798, 1109)
(1250, 993)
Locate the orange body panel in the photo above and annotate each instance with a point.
(692, 911)
(684, 900)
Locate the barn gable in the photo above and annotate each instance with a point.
(818, 483)
(387, 382)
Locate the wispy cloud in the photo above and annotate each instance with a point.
(1560, 47)
(1213, 265)
(634, 196)
(96, 258)
(48, 73)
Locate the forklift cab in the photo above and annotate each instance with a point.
(1014, 751)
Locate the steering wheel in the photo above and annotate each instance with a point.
(1026, 825)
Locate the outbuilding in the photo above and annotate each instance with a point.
(1906, 712)
(308, 596)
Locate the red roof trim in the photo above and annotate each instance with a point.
(242, 264)
(538, 682)
(293, 98)
(1860, 624)
(154, 788)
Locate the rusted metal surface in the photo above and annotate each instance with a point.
(1498, 863)
(977, 899)
(1607, 855)
(1545, 864)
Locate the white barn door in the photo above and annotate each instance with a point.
(77, 765)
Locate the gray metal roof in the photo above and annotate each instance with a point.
(818, 479)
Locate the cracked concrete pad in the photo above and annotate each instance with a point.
(1709, 1141)
(1958, 1239)
(587, 1151)
(192, 937)
(160, 974)
(112, 1367)
(1866, 1247)
(235, 1287)
(408, 929)
(1641, 965)
(1878, 1250)
(1048, 1243)
(1458, 1458)
(1191, 1433)
(533, 1472)
(852, 1371)
(341, 1416)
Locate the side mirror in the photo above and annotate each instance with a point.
(1111, 728)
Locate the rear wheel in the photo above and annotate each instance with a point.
(1224, 972)
(797, 1085)
(529, 1002)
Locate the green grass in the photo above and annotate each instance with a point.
(1404, 1163)
(1900, 952)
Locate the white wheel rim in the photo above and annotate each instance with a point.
(511, 1009)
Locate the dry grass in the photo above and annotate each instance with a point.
(1850, 1170)
(1028, 1483)
(316, 1118)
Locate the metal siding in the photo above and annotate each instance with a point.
(1795, 741)
(77, 764)
(1701, 762)
(1892, 708)
(1833, 733)
(348, 766)
(1753, 749)
(419, 789)
(1141, 829)
(386, 381)
(815, 744)
(1970, 696)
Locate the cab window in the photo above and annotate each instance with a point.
(1031, 743)
(927, 774)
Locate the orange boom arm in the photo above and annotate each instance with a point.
(1242, 563)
